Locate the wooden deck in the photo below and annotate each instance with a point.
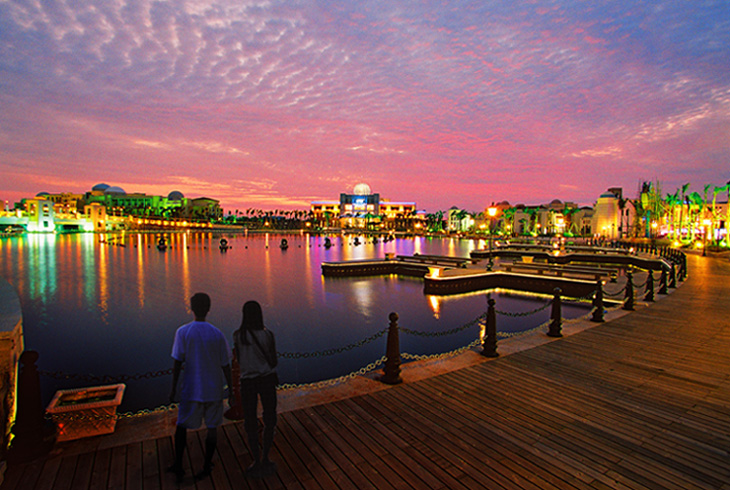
(642, 402)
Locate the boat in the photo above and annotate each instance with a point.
(162, 244)
(223, 245)
(284, 244)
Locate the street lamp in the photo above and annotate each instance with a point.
(492, 212)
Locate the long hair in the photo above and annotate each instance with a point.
(253, 319)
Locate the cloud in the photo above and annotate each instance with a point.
(309, 96)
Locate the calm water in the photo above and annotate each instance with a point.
(102, 309)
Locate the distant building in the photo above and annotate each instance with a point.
(174, 206)
(364, 209)
(613, 216)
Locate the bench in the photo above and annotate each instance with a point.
(561, 270)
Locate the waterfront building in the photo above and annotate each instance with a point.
(459, 220)
(174, 205)
(614, 216)
(364, 209)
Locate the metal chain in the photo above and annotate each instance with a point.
(476, 321)
(330, 352)
(507, 335)
(615, 294)
(526, 313)
(73, 417)
(122, 378)
(443, 355)
(331, 382)
(643, 284)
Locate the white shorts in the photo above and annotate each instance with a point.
(190, 414)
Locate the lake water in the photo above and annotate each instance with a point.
(92, 308)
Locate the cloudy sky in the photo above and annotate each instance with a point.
(274, 104)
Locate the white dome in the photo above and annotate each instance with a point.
(114, 190)
(361, 190)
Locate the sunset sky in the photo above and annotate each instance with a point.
(273, 104)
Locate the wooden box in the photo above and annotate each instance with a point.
(85, 412)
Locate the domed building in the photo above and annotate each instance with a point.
(114, 190)
(364, 209)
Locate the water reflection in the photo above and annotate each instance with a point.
(112, 308)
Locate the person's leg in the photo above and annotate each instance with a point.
(211, 441)
(181, 439)
(213, 414)
(249, 401)
(268, 402)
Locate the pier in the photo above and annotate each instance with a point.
(639, 402)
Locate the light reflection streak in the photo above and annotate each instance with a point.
(140, 271)
(435, 304)
(309, 271)
(103, 278)
(187, 293)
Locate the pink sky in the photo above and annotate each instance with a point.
(274, 104)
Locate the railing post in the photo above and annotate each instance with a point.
(649, 296)
(489, 345)
(673, 277)
(663, 281)
(598, 303)
(33, 436)
(391, 371)
(629, 298)
(555, 317)
(682, 270)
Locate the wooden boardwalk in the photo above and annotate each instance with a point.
(642, 402)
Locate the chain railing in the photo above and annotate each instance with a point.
(107, 379)
(482, 322)
(331, 352)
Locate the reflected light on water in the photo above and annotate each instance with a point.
(120, 307)
(435, 305)
(140, 271)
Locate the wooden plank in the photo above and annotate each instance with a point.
(134, 466)
(166, 458)
(117, 470)
(150, 465)
(100, 471)
(84, 468)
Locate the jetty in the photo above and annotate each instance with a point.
(639, 402)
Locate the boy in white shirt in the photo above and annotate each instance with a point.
(204, 351)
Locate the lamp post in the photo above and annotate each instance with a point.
(492, 212)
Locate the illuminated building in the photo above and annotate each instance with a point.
(364, 209)
(175, 205)
(613, 216)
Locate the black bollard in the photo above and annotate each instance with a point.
(391, 371)
(663, 281)
(34, 437)
(672, 277)
(629, 297)
(555, 317)
(649, 296)
(598, 303)
(489, 345)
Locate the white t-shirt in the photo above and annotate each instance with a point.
(251, 359)
(204, 351)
